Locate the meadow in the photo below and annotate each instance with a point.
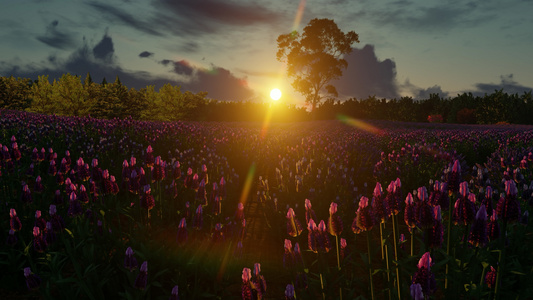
(99, 209)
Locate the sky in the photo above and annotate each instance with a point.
(228, 47)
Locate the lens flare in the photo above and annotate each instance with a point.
(359, 124)
(247, 184)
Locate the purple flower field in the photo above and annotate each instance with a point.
(101, 209)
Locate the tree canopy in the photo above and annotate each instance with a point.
(315, 57)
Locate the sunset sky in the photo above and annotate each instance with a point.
(228, 47)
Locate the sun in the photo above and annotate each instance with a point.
(275, 94)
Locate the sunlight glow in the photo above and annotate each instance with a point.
(275, 94)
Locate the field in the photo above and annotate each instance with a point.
(101, 209)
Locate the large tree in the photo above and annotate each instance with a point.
(315, 57)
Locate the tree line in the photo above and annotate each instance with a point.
(71, 95)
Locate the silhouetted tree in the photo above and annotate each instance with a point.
(314, 57)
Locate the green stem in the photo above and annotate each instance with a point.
(395, 238)
(338, 263)
(370, 264)
(448, 245)
(501, 262)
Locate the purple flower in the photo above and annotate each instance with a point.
(288, 256)
(487, 201)
(424, 212)
(380, 207)
(32, 281)
(239, 214)
(436, 232)
(26, 195)
(182, 232)
(490, 278)
(201, 194)
(289, 292)
(49, 235)
(82, 195)
(343, 248)
(142, 278)
(39, 243)
(478, 234)
(493, 228)
(198, 219)
(11, 238)
(393, 198)
(416, 291)
(158, 171)
(238, 252)
(309, 212)
(14, 221)
(294, 228)
(259, 281)
(74, 208)
(130, 262)
(464, 209)
(58, 198)
(454, 177)
(335, 226)
(410, 211)
(365, 216)
(56, 220)
(218, 234)
(247, 285)
(149, 157)
(174, 294)
(147, 200)
(424, 276)
(508, 208)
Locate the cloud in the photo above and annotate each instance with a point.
(430, 18)
(218, 82)
(210, 16)
(115, 14)
(367, 76)
(100, 61)
(104, 50)
(419, 93)
(181, 67)
(146, 54)
(55, 38)
(507, 83)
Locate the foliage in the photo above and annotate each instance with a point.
(315, 57)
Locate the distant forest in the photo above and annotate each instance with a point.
(72, 96)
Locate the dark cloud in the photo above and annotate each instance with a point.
(507, 83)
(439, 17)
(55, 38)
(183, 67)
(146, 54)
(367, 76)
(221, 85)
(104, 50)
(116, 15)
(218, 82)
(80, 62)
(99, 61)
(421, 93)
(210, 16)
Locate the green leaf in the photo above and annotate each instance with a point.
(69, 232)
(518, 273)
